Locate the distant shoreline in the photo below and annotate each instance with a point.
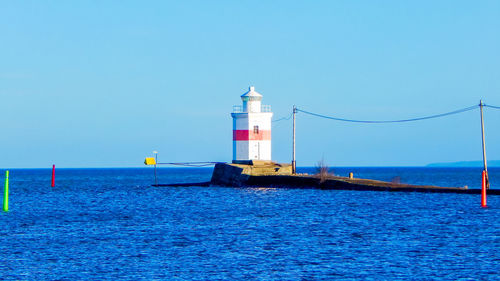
(461, 164)
(464, 164)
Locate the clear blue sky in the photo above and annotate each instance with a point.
(104, 83)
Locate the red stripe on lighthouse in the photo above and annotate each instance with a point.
(240, 135)
(246, 135)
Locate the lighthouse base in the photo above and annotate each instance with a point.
(255, 162)
(237, 174)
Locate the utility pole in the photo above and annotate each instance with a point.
(294, 166)
(485, 165)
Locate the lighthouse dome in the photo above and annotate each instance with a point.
(251, 100)
(251, 95)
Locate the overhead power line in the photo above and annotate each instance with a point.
(283, 118)
(492, 106)
(390, 121)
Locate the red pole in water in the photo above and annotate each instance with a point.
(483, 190)
(53, 175)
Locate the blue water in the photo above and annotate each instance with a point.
(108, 224)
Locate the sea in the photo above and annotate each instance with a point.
(111, 224)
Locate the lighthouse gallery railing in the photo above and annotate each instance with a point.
(263, 108)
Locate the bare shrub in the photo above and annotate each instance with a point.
(396, 179)
(322, 171)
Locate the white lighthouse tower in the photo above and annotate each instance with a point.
(251, 129)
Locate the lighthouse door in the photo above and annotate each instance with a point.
(256, 150)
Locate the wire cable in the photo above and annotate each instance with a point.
(491, 106)
(190, 164)
(283, 118)
(390, 121)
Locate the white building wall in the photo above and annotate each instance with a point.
(254, 146)
(259, 150)
(254, 106)
(240, 121)
(241, 150)
(263, 120)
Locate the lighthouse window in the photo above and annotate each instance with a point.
(256, 129)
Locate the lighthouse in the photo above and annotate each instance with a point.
(251, 129)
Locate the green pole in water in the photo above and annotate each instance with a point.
(6, 193)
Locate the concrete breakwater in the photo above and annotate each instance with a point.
(245, 173)
(269, 174)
